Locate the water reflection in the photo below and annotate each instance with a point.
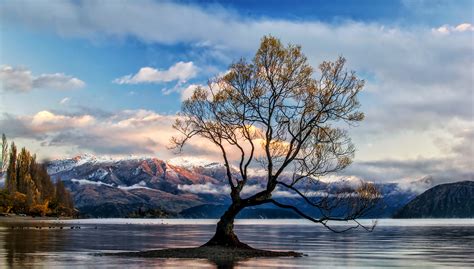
(388, 246)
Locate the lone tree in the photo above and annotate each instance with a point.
(273, 112)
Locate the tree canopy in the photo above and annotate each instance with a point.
(30, 190)
(274, 113)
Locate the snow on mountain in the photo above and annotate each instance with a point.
(60, 165)
(202, 166)
(192, 162)
(100, 174)
(101, 183)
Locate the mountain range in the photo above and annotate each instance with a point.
(187, 187)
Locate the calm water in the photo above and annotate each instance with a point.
(394, 243)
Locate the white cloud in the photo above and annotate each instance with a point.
(464, 27)
(187, 92)
(58, 81)
(447, 29)
(419, 80)
(414, 73)
(210, 188)
(181, 71)
(64, 101)
(139, 185)
(90, 182)
(21, 80)
(46, 121)
(207, 188)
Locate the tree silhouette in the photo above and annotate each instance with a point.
(272, 112)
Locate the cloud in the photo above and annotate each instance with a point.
(15, 79)
(58, 81)
(144, 132)
(207, 188)
(210, 188)
(455, 163)
(181, 71)
(90, 182)
(21, 80)
(447, 29)
(412, 72)
(419, 78)
(64, 101)
(440, 169)
(187, 92)
(139, 132)
(45, 121)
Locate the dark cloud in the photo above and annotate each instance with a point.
(12, 126)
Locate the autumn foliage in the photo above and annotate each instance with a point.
(28, 188)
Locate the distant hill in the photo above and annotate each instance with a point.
(453, 200)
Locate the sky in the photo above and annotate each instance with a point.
(108, 77)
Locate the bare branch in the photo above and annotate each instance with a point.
(271, 111)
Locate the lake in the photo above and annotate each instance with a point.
(426, 243)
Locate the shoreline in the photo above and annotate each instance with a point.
(17, 218)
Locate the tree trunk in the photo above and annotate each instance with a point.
(225, 235)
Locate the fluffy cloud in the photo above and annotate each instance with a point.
(207, 188)
(126, 132)
(419, 80)
(143, 132)
(187, 92)
(210, 188)
(181, 71)
(446, 29)
(21, 80)
(413, 73)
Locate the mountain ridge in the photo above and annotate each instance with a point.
(450, 200)
(175, 186)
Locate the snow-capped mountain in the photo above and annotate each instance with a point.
(121, 184)
(194, 162)
(60, 165)
(105, 186)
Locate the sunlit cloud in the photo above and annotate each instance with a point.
(447, 29)
(139, 132)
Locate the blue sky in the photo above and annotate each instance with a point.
(107, 77)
